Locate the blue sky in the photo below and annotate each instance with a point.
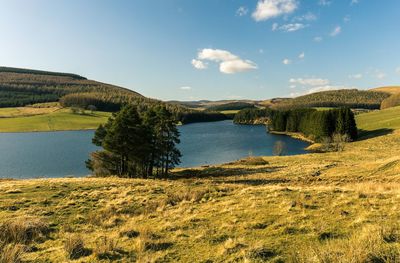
(208, 49)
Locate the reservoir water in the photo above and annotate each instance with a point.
(61, 154)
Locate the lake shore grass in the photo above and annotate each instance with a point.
(319, 207)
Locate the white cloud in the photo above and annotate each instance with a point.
(229, 63)
(267, 9)
(287, 61)
(292, 86)
(302, 55)
(307, 17)
(235, 66)
(216, 55)
(336, 31)
(242, 11)
(398, 70)
(291, 27)
(347, 18)
(199, 64)
(318, 39)
(310, 81)
(185, 88)
(356, 76)
(324, 2)
(261, 51)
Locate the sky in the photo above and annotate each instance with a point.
(208, 49)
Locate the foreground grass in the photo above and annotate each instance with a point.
(330, 207)
(48, 119)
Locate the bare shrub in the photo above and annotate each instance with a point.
(279, 148)
(339, 141)
(336, 143)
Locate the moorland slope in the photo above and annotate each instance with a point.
(321, 207)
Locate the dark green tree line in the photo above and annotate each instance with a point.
(136, 143)
(315, 124)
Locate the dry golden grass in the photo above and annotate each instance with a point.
(388, 89)
(322, 207)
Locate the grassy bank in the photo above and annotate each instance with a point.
(48, 119)
(331, 207)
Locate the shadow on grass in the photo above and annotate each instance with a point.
(364, 134)
(211, 172)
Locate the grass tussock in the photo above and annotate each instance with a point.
(23, 230)
(107, 248)
(74, 247)
(11, 253)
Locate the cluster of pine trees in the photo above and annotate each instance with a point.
(231, 106)
(250, 116)
(136, 143)
(317, 125)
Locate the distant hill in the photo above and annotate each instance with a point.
(388, 89)
(352, 98)
(271, 102)
(21, 87)
(218, 105)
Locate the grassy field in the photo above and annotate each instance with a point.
(378, 122)
(325, 207)
(48, 119)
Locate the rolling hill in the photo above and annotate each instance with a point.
(388, 89)
(352, 98)
(21, 87)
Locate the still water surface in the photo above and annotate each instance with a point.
(60, 154)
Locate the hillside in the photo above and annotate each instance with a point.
(336, 98)
(20, 87)
(323, 207)
(388, 89)
(216, 105)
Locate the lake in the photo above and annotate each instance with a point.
(61, 154)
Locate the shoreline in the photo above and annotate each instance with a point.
(84, 129)
(294, 135)
(312, 148)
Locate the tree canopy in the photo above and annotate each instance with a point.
(136, 143)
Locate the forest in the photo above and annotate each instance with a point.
(315, 124)
(231, 106)
(251, 116)
(351, 98)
